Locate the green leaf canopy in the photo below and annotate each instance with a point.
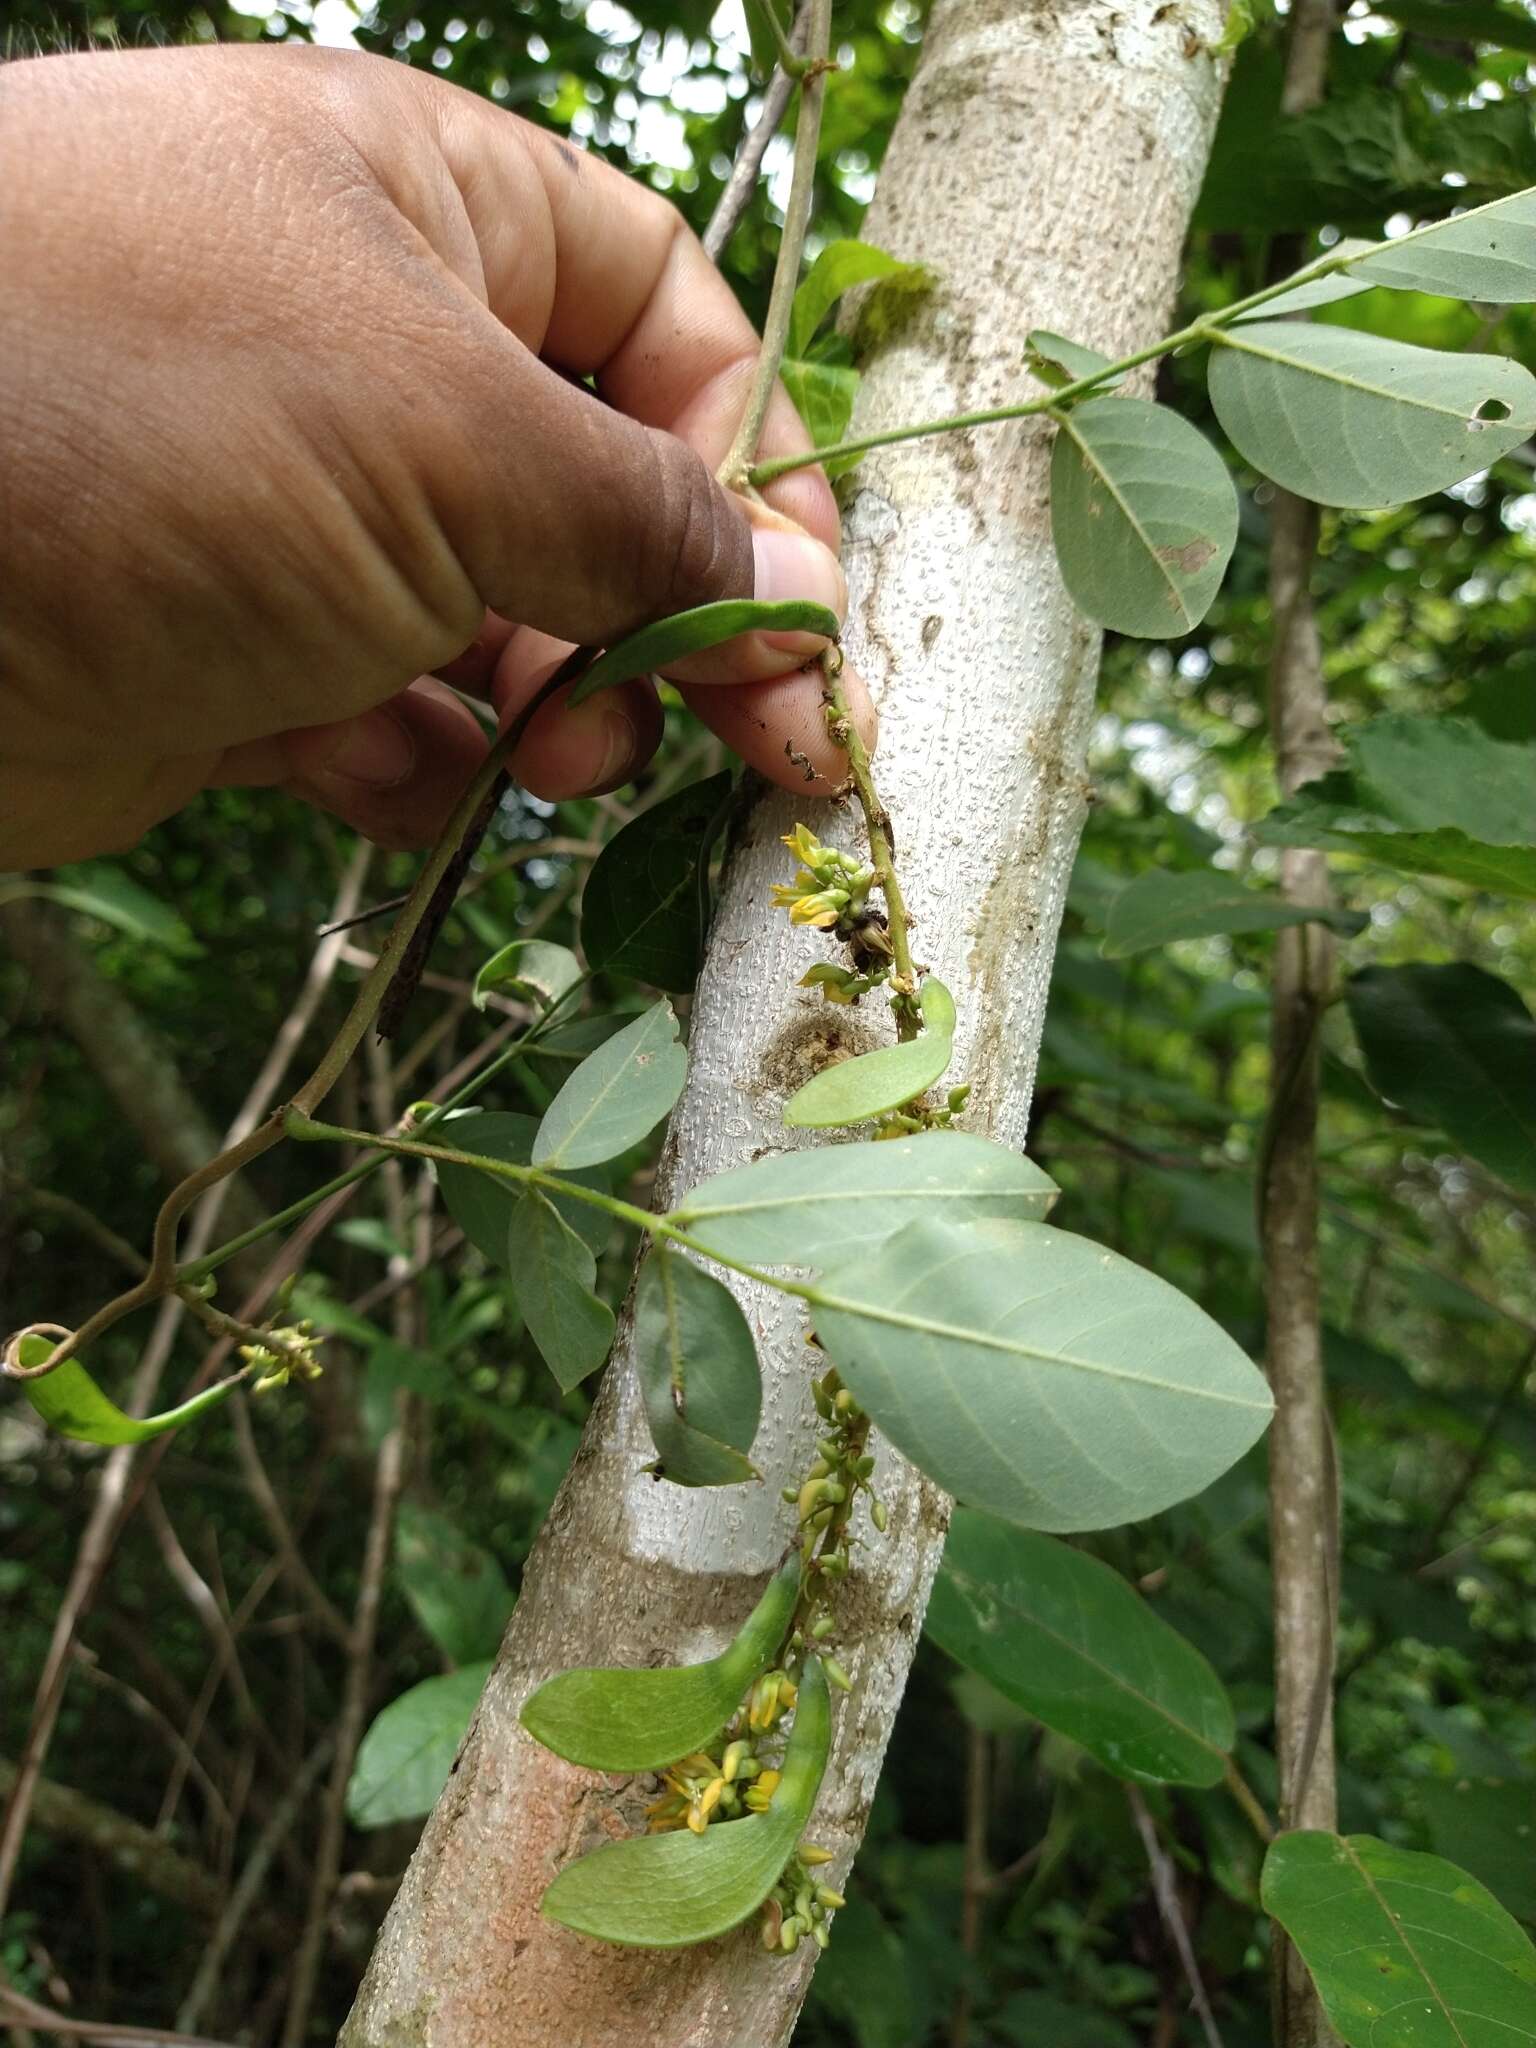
(1406, 1951)
(1143, 515)
(1037, 1375)
(1346, 418)
(1158, 908)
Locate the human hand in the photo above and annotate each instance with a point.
(290, 350)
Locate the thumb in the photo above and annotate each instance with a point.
(575, 519)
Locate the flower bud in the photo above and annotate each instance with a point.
(879, 1516)
(822, 1627)
(836, 1675)
(812, 1853)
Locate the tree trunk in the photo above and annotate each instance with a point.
(1044, 166)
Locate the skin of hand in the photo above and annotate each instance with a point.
(325, 385)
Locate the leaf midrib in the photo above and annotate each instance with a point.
(1091, 461)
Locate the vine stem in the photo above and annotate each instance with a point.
(162, 1277)
(877, 823)
(736, 470)
(1207, 328)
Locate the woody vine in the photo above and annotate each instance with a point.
(1040, 1380)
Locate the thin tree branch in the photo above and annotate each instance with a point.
(1165, 1889)
(742, 183)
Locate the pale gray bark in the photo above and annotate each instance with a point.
(1044, 166)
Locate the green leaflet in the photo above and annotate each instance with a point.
(617, 1096)
(1346, 418)
(71, 1403)
(1037, 1375)
(1143, 515)
(531, 966)
(1455, 1047)
(823, 394)
(708, 625)
(1488, 254)
(618, 1720)
(1406, 1950)
(1158, 908)
(1066, 1639)
(811, 1208)
(698, 1372)
(668, 1891)
(553, 1275)
(645, 908)
(840, 266)
(404, 1760)
(854, 1091)
(482, 1204)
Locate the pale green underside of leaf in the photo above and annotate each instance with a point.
(669, 1891)
(698, 1372)
(709, 625)
(553, 1275)
(1158, 908)
(1065, 1638)
(404, 1760)
(616, 1720)
(1406, 1950)
(1143, 516)
(1057, 361)
(1348, 419)
(1488, 253)
(810, 1208)
(1037, 1375)
(533, 967)
(617, 1096)
(72, 1404)
(646, 903)
(856, 1090)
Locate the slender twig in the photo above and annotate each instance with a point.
(16, 2008)
(742, 183)
(975, 1882)
(247, 1890)
(1165, 1889)
(1249, 1801)
(734, 471)
(290, 1558)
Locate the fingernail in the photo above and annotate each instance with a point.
(793, 565)
(622, 745)
(376, 749)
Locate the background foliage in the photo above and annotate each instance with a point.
(1005, 1893)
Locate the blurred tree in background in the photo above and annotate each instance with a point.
(1002, 1863)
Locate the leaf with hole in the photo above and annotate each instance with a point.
(1406, 1950)
(554, 1277)
(1065, 1638)
(404, 1760)
(708, 625)
(1158, 908)
(698, 1372)
(1037, 1375)
(642, 1720)
(1346, 418)
(72, 1404)
(1143, 515)
(617, 1097)
(668, 1891)
(456, 1589)
(812, 1208)
(871, 1083)
(1456, 1048)
(534, 968)
(645, 908)
(839, 267)
(482, 1204)
(1488, 254)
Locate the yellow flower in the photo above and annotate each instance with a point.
(822, 910)
(760, 1792)
(803, 844)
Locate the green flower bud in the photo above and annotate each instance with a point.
(823, 1627)
(836, 1675)
(879, 1516)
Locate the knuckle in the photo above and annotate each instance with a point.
(700, 545)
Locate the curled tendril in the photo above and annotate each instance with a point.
(11, 1363)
